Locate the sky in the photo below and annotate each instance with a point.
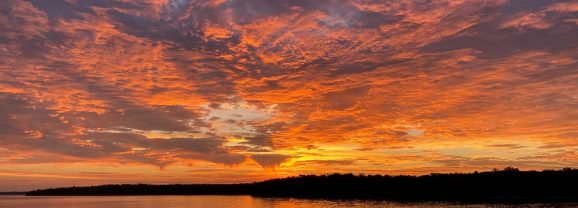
(228, 91)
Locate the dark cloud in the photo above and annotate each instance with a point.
(136, 117)
(22, 120)
(342, 100)
(270, 160)
(58, 9)
(259, 140)
(20, 116)
(495, 41)
(507, 146)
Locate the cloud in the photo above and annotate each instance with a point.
(532, 21)
(507, 146)
(270, 160)
(564, 7)
(329, 162)
(33, 127)
(214, 85)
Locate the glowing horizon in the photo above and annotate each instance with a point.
(227, 91)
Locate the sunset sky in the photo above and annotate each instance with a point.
(228, 91)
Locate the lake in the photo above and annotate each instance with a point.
(215, 201)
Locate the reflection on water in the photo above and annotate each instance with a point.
(214, 201)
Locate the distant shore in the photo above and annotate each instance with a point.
(509, 185)
(12, 193)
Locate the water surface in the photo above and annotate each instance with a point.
(218, 201)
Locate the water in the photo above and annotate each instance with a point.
(217, 201)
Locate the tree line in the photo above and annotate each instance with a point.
(509, 184)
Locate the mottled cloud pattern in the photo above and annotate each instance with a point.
(167, 91)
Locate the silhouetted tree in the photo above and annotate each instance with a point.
(509, 184)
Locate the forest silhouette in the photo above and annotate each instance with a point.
(509, 184)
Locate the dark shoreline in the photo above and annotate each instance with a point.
(12, 193)
(505, 186)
